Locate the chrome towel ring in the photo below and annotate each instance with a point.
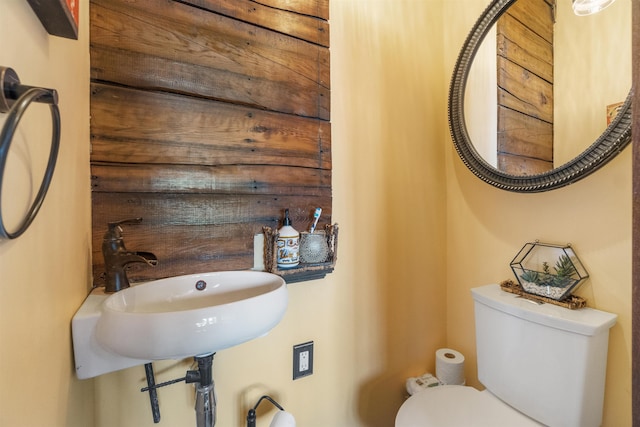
(14, 99)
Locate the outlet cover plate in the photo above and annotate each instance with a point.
(302, 360)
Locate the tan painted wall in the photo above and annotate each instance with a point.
(45, 273)
(606, 69)
(486, 227)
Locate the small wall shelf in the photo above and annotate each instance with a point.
(304, 271)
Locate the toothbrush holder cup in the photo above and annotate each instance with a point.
(314, 247)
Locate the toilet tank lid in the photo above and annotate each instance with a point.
(585, 321)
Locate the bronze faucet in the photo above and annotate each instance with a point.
(116, 256)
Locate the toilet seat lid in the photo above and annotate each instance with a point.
(458, 406)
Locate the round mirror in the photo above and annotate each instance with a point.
(516, 119)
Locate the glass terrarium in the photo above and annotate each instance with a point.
(551, 271)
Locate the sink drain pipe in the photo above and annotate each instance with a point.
(205, 391)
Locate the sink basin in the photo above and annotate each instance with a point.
(191, 315)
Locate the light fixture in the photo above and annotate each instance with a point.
(588, 7)
(281, 419)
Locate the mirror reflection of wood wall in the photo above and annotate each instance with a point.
(525, 87)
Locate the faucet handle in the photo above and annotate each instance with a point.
(114, 231)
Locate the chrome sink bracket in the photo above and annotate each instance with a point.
(205, 390)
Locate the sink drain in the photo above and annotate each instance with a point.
(201, 285)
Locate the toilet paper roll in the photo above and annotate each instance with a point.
(450, 366)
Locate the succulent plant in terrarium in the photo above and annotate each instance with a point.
(532, 267)
(530, 276)
(564, 272)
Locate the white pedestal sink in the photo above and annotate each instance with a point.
(175, 318)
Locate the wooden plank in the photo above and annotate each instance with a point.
(299, 96)
(138, 273)
(171, 267)
(196, 229)
(170, 46)
(132, 126)
(205, 209)
(180, 244)
(523, 47)
(318, 8)
(233, 179)
(538, 15)
(183, 250)
(521, 90)
(518, 165)
(307, 22)
(519, 134)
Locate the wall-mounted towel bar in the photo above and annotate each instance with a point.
(14, 100)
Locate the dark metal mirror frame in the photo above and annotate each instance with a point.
(614, 139)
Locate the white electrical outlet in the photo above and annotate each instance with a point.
(302, 360)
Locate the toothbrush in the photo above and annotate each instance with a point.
(316, 217)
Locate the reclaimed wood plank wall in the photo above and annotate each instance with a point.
(208, 119)
(525, 87)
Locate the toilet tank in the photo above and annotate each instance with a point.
(547, 361)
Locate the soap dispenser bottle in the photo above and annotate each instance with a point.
(288, 244)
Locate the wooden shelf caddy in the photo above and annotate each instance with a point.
(304, 271)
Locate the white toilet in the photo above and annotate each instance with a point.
(540, 364)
